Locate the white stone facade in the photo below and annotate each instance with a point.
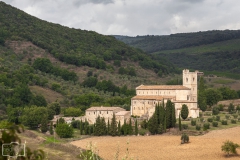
(107, 113)
(143, 104)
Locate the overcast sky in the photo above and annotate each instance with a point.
(136, 17)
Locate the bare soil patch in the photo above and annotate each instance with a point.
(164, 147)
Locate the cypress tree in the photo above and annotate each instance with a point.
(119, 128)
(184, 111)
(153, 124)
(130, 130)
(165, 124)
(81, 127)
(113, 127)
(136, 128)
(51, 128)
(161, 114)
(108, 127)
(103, 126)
(86, 127)
(44, 124)
(98, 127)
(179, 123)
(173, 123)
(157, 112)
(168, 114)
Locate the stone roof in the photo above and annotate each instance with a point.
(163, 87)
(105, 108)
(151, 97)
(122, 113)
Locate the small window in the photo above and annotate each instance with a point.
(100, 112)
(107, 112)
(89, 113)
(187, 79)
(134, 108)
(193, 79)
(94, 112)
(142, 108)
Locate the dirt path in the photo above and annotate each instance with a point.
(158, 147)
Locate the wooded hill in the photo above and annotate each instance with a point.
(43, 63)
(209, 50)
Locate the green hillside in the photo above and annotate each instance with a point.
(43, 63)
(209, 51)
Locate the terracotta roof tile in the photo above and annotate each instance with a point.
(166, 87)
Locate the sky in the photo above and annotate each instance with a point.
(136, 17)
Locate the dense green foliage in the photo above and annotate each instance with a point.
(184, 111)
(72, 112)
(163, 117)
(45, 65)
(230, 147)
(209, 50)
(151, 43)
(64, 130)
(72, 46)
(11, 134)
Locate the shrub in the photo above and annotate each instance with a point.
(64, 130)
(235, 116)
(217, 118)
(201, 119)
(142, 132)
(215, 124)
(198, 127)
(230, 147)
(238, 108)
(239, 119)
(227, 116)
(200, 114)
(215, 110)
(184, 138)
(206, 126)
(193, 122)
(220, 107)
(184, 126)
(231, 108)
(224, 122)
(210, 119)
(233, 121)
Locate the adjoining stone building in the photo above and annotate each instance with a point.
(143, 104)
(107, 112)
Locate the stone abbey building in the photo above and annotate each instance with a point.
(147, 96)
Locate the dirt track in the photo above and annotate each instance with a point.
(206, 147)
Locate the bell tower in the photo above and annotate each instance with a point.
(190, 81)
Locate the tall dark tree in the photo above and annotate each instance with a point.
(169, 114)
(51, 128)
(119, 128)
(184, 111)
(153, 124)
(173, 122)
(179, 123)
(136, 127)
(113, 126)
(130, 130)
(44, 124)
(81, 127)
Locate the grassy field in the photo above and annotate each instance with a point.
(164, 146)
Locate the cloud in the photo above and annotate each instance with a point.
(131, 17)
